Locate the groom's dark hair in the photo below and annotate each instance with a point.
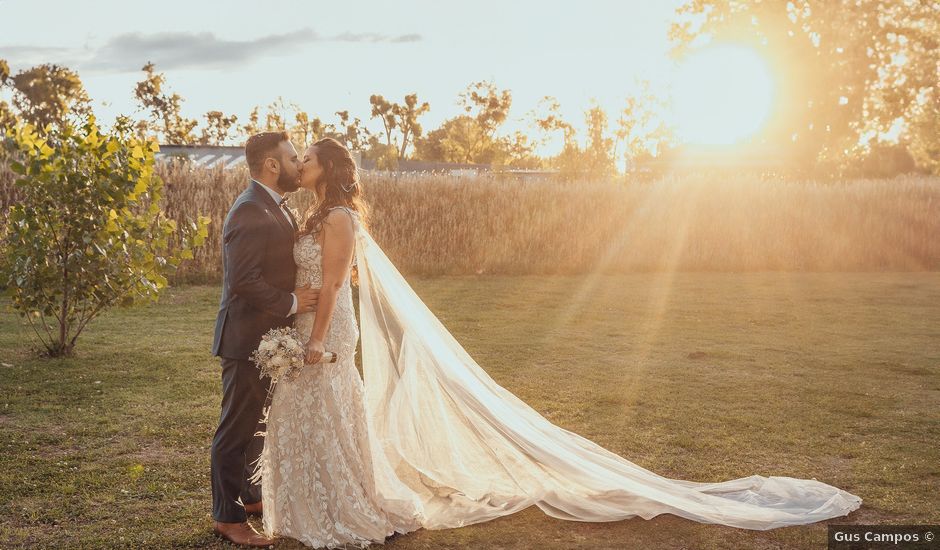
(259, 147)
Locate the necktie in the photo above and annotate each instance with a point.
(290, 217)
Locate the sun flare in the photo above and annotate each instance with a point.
(722, 94)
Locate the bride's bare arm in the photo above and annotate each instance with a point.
(338, 247)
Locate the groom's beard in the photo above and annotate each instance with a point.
(288, 183)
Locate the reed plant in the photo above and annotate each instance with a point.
(434, 224)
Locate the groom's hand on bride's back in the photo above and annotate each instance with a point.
(307, 299)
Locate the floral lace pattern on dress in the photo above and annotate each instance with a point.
(316, 467)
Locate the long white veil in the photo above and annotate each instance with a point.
(462, 449)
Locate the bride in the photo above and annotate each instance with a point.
(430, 440)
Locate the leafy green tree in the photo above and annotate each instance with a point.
(89, 231)
(471, 137)
(430, 147)
(384, 155)
(166, 117)
(457, 140)
(848, 70)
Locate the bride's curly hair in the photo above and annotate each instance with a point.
(340, 179)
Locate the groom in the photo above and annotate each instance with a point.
(258, 294)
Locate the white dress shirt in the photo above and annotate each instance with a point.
(277, 199)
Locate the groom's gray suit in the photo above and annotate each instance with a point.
(257, 281)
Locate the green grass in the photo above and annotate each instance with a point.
(700, 376)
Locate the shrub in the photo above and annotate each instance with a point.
(87, 231)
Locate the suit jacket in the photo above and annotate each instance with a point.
(258, 273)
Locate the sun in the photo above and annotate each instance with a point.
(722, 94)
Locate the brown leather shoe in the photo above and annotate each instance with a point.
(254, 509)
(242, 534)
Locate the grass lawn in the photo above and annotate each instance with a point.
(700, 376)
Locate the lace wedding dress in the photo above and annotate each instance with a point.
(316, 468)
(442, 445)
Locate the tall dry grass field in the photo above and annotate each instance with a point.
(435, 224)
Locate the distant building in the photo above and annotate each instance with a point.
(428, 166)
(209, 156)
(212, 156)
(223, 156)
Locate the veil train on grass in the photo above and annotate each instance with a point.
(461, 449)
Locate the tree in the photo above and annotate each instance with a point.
(471, 137)
(88, 232)
(166, 117)
(385, 111)
(640, 130)
(548, 121)
(275, 120)
(218, 128)
(407, 120)
(45, 94)
(849, 70)
(352, 134)
(489, 108)
(599, 154)
(7, 118)
(452, 142)
(923, 136)
(517, 151)
(403, 117)
(252, 126)
(307, 130)
(125, 125)
(384, 155)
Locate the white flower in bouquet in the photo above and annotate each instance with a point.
(268, 345)
(280, 354)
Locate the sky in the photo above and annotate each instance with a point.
(331, 56)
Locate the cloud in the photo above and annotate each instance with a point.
(21, 56)
(375, 37)
(185, 50)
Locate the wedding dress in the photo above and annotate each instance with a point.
(443, 445)
(317, 468)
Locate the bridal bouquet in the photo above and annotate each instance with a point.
(279, 354)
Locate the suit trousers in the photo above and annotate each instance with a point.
(236, 447)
